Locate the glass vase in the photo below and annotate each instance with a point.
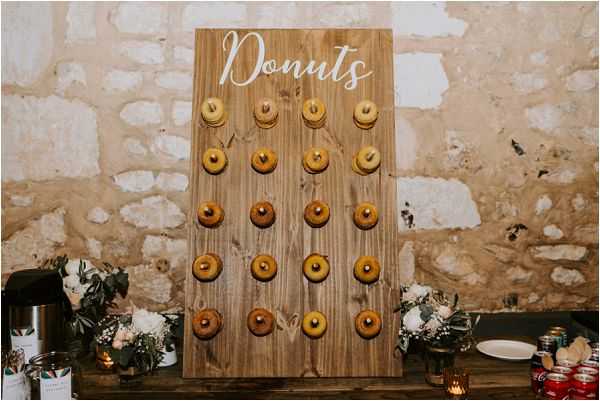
(436, 360)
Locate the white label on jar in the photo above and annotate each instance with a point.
(27, 340)
(14, 386)
(55, 384)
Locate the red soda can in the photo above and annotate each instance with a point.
(538, 372)
(585, 387)
(556, 387)
(588, 371)
(589, 364)
(563, 370)
(567, 363)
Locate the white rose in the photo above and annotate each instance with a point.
(148, 322)
(72, 266)
(444, 311)
(82, 288)
(71, 281)
(412, 320)
(433, 325)
(419, 291)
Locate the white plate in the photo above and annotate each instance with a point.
(507, 349)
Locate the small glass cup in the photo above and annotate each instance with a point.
(456, 383)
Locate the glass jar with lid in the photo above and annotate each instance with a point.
(54, 376)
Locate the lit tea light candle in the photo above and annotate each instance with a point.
(456, 383)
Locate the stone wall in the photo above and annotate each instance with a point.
(496, 130)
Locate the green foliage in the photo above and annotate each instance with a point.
(98, 297)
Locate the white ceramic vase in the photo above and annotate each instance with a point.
(169, 358)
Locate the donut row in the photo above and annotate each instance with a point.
(314, 161)
(262, 214)
(266, 113)
(315, 268)
(208, 322)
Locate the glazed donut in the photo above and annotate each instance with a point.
(264, 160)
(368, 159)
(316, 214)
(366, 269)
(365, 216)
(210, 214)
(207, 267)
(314, 324)
(213, 112)
(314, 113)
(207, 323)
(263, 267)
(315, 160)
(365, 114)
(357, 169)
(262, 214)
(214, 161)
(315, 267)
(260, 322)
(266, 113)
(368, 324)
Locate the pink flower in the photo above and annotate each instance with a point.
(117, 344)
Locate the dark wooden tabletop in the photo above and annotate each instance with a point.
(490, 379)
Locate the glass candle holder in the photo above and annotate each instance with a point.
(456, 383)
(103, 359)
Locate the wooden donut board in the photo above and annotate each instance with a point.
(287, 352)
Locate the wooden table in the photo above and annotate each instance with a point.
(490, 379)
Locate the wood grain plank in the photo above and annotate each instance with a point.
(235, 352)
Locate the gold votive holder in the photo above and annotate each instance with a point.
(456, 383)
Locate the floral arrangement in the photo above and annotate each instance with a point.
(428, 315)
(136, 340)
(90, 290)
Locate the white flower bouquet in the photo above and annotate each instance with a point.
(428, 315)
(137, 340)
(91, 291)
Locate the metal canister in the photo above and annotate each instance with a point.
(563, 333)
(547, 343)
(584, 387)
(558, 338)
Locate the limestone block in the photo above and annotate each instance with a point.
(122, 81)
(140, 17)
(81, 22)
(153, 212)
(435, 203)
(419, 80)
(143, 52)
(559, 252)
(142, 113)
(181, 113)
(39, 240)
(98, 215)
(172, 181)
(425, 20)
(568, 277)
(174, 147)
(46, 138)
(26, 26)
